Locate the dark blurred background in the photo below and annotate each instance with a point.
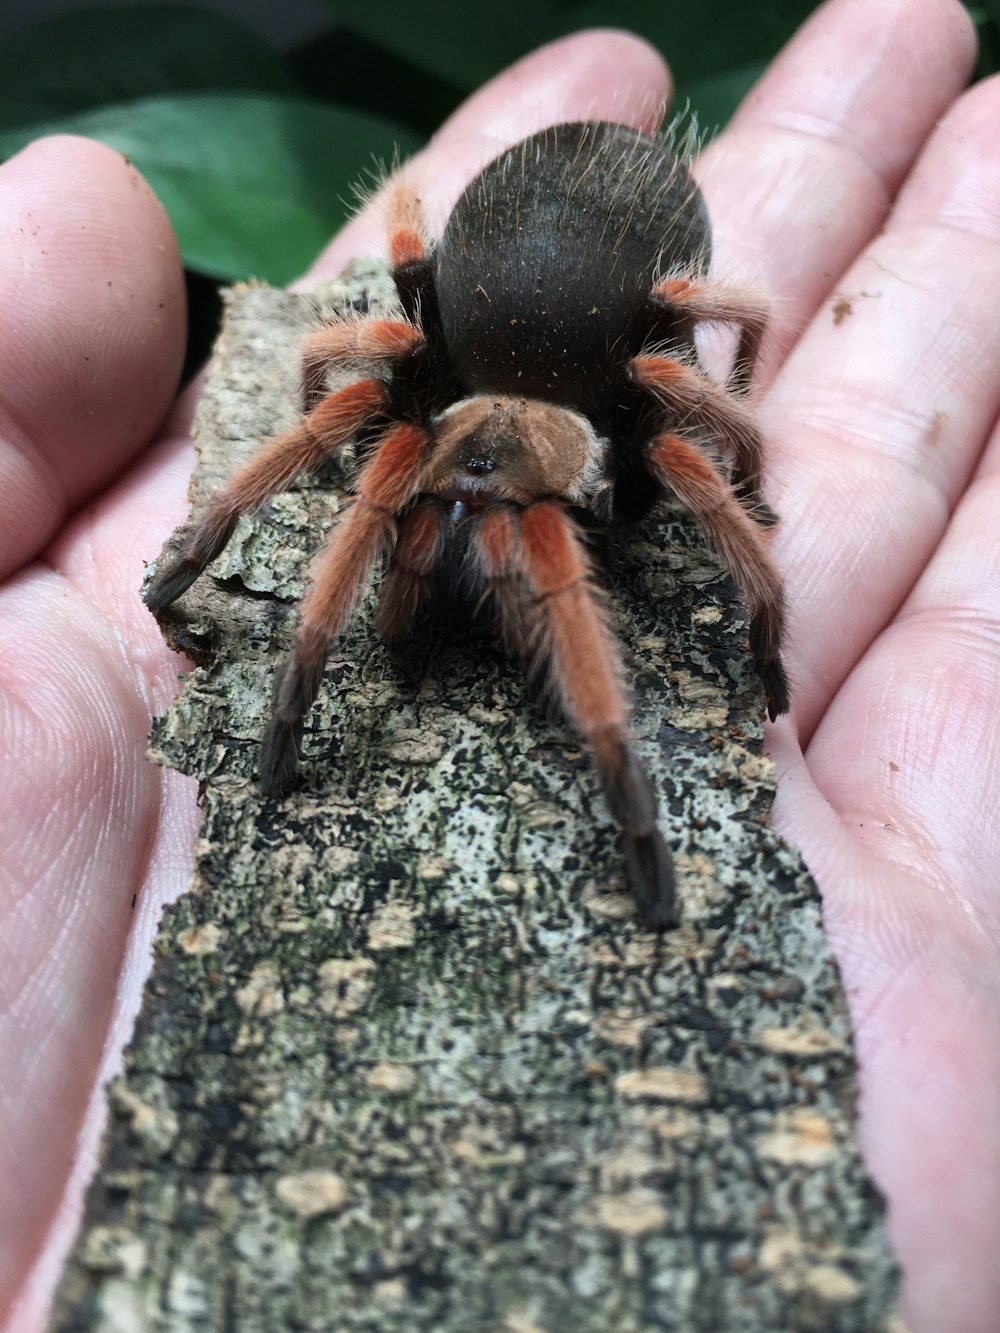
(255, 121)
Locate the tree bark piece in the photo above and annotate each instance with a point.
(406, 1059)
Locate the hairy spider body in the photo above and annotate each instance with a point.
(558, 241)
(545, 368)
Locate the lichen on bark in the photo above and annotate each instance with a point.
(407, 1059)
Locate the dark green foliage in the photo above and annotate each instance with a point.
(716, 48)
(89, 57)
(254, 185)
(987, 20)
(255, 154)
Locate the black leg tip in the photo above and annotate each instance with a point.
(775, 683)
(651, 873)
(167, 585)
(279, 759)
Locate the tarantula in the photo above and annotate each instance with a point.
(543, 379)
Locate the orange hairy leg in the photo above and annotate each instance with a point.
(359, 342)
(405, 226)
(498, 550)
(715, 303)
(573, 626)
(572, 634)
(324, 429)
(368, 530)
(741, 544)
(692, 399)
(414, 561)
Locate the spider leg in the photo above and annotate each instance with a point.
(405, 225)
(717, 303)
(414, 561)
(324, 429)
(497, 548)
(368, 530)
(571, 632)
(410, 258)
(358, 343)
(741, 544)
(692, 399)
(373, 344)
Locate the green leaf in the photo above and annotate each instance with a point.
(987, 20)
(90, 57)
(254, 186)
(360, 74)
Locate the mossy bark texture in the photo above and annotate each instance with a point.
(407, 1060)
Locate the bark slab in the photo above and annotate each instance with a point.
(406, 1059)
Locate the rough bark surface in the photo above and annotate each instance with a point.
(406, 1059)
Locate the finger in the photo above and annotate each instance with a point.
(597, 75)
(804, 174)
(898, 819)
(897, 743)
(92, 329)
(77, 822)
(880, 415)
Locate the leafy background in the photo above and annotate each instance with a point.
(255, 152)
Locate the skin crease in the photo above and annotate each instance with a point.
(859, 187)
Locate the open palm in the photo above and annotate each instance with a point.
(861, 191)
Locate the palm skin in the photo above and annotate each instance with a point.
(859, 188)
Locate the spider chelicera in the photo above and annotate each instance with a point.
(543, 378)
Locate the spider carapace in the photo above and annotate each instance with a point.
(542, 379)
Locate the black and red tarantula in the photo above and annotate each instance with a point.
(543, 377)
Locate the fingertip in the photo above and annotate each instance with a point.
(92, 329)
(839, 78)
(93, 241)
(596, 74)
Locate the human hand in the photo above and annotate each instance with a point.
(863, 194)
(882, 353)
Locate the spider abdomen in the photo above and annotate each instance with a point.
(546, 265)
